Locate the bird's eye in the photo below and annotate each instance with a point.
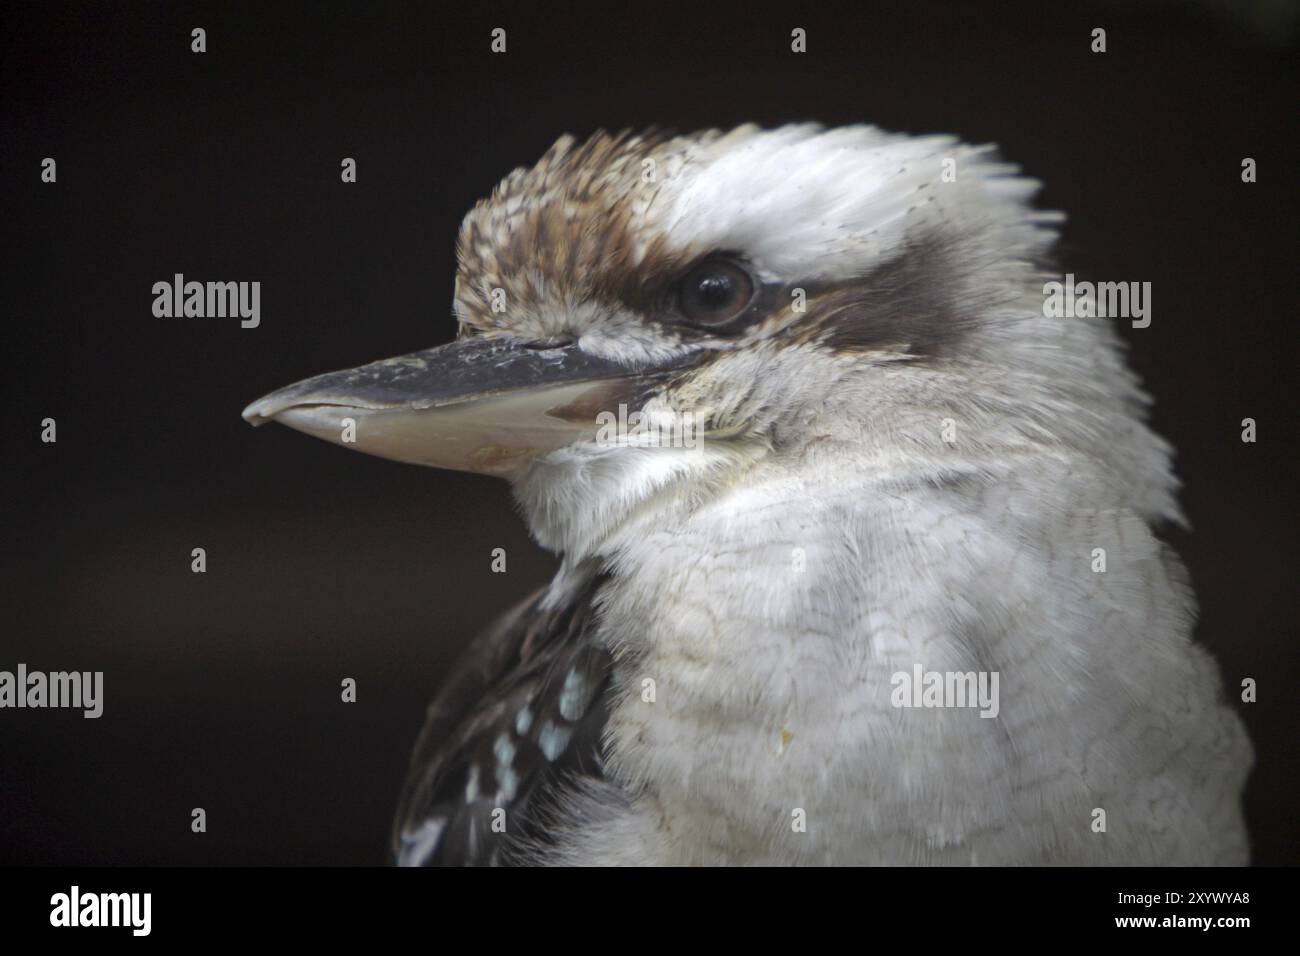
(714, 292)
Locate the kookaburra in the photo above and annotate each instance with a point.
(902, 468)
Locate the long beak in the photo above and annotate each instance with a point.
(487, 405)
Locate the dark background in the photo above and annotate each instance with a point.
(222, 689)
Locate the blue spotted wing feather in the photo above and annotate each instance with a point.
(519, 718)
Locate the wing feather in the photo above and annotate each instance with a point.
(519, 717)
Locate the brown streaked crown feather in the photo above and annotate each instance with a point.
(563, 231)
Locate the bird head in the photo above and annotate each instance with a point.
(644, 311)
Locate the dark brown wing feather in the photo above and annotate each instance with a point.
(520, 715)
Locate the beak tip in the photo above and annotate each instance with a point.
(256, 414)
